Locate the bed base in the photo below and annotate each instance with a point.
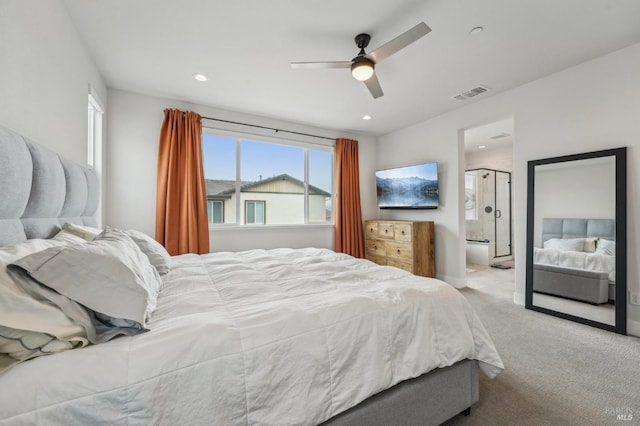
(578, 284)
(430, 399)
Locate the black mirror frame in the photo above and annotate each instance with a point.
(620, 155)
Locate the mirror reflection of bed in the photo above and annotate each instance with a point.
(574, 268)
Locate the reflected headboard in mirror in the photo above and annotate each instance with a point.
(562, 194)
(41, 191)
(578, 228)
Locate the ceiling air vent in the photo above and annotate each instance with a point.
(470, 93)
(500, 135)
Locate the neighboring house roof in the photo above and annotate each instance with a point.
(217, 188)
(225, 188)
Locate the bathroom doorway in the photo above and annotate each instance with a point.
(488, 195)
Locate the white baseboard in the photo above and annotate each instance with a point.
(456, 282)
(518, 298)
(633, 328)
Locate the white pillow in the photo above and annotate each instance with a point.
(157, 254)
(590, 245)
(24, 316)
(87, 233)
(68, 237)
(109, 275)
(606, 247)
(565, 244)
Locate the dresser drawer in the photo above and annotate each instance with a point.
(386, 230)
(403, 232)
(376, 247)
(380, 260)
(399, 251)
(371, 230)
(402, 265)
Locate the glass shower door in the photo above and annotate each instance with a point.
(503, 214)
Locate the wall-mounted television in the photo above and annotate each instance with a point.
(410, 187)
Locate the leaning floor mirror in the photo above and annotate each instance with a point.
(576, 238)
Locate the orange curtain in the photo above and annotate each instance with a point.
(181, 200)
(348, 214)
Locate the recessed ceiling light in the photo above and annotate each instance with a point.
(200, 77)
(366, 117)
(476, 30)
(482, 147)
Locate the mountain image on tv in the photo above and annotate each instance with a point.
(408, 187)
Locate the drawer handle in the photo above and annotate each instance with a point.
(371, 229)
(402, 232)
(375, 247)
(386, 231)
(398, 251)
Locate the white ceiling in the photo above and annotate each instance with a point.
(245, 47)
(489, 136)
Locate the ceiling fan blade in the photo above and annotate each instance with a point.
(400, 42)
(320, 65)
(374, 86)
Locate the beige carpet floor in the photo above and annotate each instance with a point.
(557, 372)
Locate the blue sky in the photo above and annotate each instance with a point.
(263, 160)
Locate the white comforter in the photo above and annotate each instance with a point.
(577, 259)
(260, 337)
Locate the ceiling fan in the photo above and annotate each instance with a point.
(363, 65)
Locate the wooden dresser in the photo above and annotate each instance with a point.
(403, 244)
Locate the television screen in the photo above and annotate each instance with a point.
(411, 187)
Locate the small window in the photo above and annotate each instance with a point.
(215, 211)
(94, 132)
(470, 195)
(254, 212)
(95, 119)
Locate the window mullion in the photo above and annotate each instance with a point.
(239, 219)
(306, 186)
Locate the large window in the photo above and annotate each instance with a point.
(264, 181)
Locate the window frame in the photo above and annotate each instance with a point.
(95, 122)
(264, 212)
(210, 218)
(328, 146)
(96, 119)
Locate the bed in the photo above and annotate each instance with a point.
(576, 260)
(261, 337)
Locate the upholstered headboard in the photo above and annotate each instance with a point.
(40, 191)
(578, 228)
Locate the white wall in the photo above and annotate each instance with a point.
(589, 107)
(420, 144)
(45, 73)
(586, 191)
(497, 159)
(134, 123)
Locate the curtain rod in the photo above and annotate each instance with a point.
(268, 128)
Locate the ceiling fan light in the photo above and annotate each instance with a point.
(362, 70)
